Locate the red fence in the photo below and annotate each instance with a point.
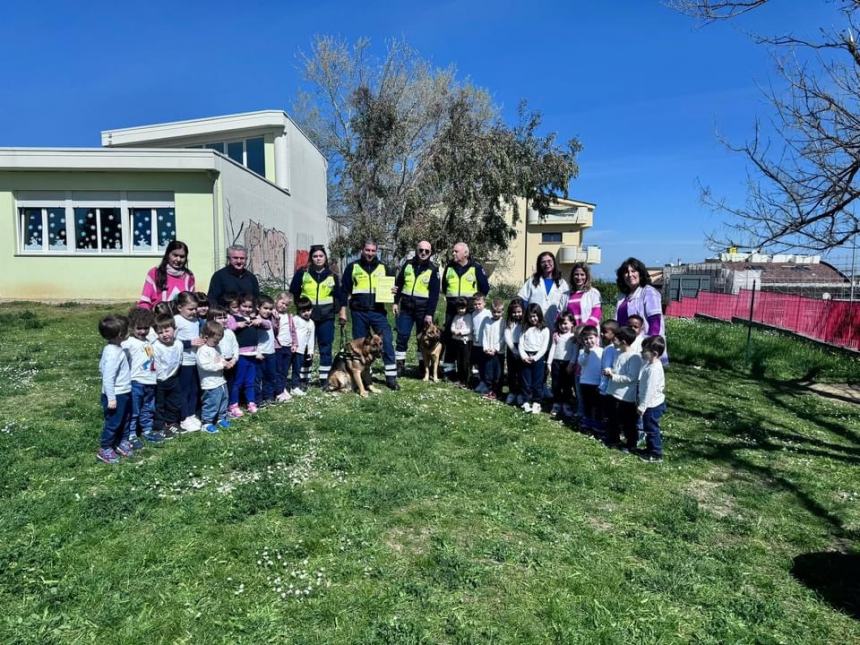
(834, 322)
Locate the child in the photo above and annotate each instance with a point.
(267, 374)
(590, 365)
(116, 390)
(461, 334)
(480, 315)
(622, 387)
(168, 360)
(608, 329)
(304, 354)
(534, 342)
(164, 309)
(202, 308)
(232, 302)
(228, 347)
(244, 324)
(188, 334)
(636, 323)
(492, 343)
(561, 354)
(651, 400)
(141, 356)
(513, 331)
(210, 368)
(286, 343)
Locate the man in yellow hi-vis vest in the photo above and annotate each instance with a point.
(359, 284)
(462, 278)
(417, 294)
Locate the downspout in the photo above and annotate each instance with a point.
(216, 233)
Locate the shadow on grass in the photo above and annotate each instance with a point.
(832, 575)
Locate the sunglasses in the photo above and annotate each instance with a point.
(424, 251)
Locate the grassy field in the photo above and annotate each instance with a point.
(430, 515)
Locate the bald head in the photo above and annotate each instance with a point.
(423, 250)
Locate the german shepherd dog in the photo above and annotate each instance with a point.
(351, 369)
(430, 345)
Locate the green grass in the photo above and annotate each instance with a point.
(427, 515)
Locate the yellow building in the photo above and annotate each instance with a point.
(560, 231)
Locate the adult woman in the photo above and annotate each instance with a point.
(318, 283)
(583, 303)
(639, 297)
(546, 288)
(166, 281)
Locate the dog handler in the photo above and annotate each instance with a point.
(359, 284)
(322, 287)
(463, 278)
(417, 287)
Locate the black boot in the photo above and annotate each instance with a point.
(391, 382)
(401, 367)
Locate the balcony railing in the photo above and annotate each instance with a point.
(576, 216)
(573, 254)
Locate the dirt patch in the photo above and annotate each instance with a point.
(707, 492)
(409, 540)
(842, 391)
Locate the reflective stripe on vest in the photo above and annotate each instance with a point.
(364, 282)
(416, 286)
(319, 293)
(465, 285)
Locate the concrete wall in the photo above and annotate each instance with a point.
(308, 190)
(102, 277)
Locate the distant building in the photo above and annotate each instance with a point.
(87, 223)
(560, 232)
(805, 275)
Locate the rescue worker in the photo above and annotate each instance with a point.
(463, 278)
(321, 286)
(415, 301)
(359, 285)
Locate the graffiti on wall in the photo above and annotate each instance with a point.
(268, 249)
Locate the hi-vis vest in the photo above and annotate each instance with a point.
(416, 286)
(319, 293)
(465, 285)
(364, 285)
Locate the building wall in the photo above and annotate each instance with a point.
(102, 277)
(308, 193)
(519, 262)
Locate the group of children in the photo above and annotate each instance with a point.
(186, 366)
(608, 381)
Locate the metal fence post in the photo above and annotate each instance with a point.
(749, 323)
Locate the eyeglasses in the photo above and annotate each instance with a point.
(424, 251)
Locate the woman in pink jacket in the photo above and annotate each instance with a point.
(166, 281)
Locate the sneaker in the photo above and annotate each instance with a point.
(482, 388)
(536, 408)
(527, 407)
(297, 391)
(107, 455)
(556, 408)
(224, 424)
(136, 443)
(153, 436)
(650, 457)
(252, 408)
(284, 396)
(490, 396)
(234, 411)
(171, 431)
(124, 448)
(211, 428)
(511, 399)
(188, 425)
(567, 411)
(392, 384)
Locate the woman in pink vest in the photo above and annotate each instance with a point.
(584, 300)
(166, 281)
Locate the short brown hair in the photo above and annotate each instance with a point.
(163, 322)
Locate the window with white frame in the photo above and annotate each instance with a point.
(79, 222)
(251, 153)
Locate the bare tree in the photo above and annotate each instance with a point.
(803, 188)
(414, 153)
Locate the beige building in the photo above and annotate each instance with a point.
(560, 232)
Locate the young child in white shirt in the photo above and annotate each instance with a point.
(267, 363)
(622, 387)
(651, 401)
(590, 365)
(534, 342)
(141, 357)
(168, 392)
(116, 391)
(562, 352)
(304, 355)
(492, 345)
(287, 341)
(188, 334)
(608, 329)
(461, 336)
(210, 368)
(513, 331)
(480, 316)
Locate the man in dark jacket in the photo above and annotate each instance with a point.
(233, 278)
(417, 287)
(359, 284)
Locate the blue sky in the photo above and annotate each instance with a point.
(642, 87)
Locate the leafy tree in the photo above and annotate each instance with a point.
(803, 191)
(414, 153)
